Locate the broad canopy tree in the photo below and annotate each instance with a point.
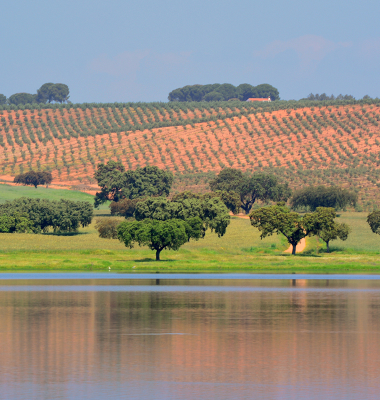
(22, 98)
(322, 196)
(164, 224)
(373, 220)
(230, 199)
(170, 234)
(49, 92)
(34, 178)
(258, 186)
(336, 231)
(279, 219)
(117, 184)
(212, 212)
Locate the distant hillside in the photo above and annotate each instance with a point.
(305, 142)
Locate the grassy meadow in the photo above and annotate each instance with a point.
(9, 192)
(241, 249)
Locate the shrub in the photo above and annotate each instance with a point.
(125, 207)
(107, 227)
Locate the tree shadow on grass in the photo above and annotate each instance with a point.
(333, 249)
(147, 260)
(306, 253)
(64, 233)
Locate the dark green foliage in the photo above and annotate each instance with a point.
(325, 97)
(265, 90)
(62, 215)
(15, 223)
(321, 196)
(279, 219)
(159, 235)
(112, 179)
(22, 98)
(250, 188)
(334, 232)
(107, 227)
(125, 207)
(246, 91)
(213, 96)
(117, 184)
(230, 199)
(3, 99)
(212, 212)
(225, 91)
(50, 92)
(34, 178)
(148, 181)
(373, 220)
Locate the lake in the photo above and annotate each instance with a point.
(189, 336)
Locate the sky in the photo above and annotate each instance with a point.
(122, 50)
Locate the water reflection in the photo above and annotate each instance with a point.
(257, 339)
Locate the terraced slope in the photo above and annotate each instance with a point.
(334, 143)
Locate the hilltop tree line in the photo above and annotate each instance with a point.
(325, 97)
(47, 93)
(223, 92)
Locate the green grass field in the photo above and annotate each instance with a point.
(8, 192)
(239, 250)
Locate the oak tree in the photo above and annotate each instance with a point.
(279, 219)
(34, 178)
(258, 186)
(159, 235)
(322, 196)
(336, 231)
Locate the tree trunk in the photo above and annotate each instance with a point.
(158, 255)
(294, 248)
(328, 246)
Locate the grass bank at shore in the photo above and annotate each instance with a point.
(241, 249)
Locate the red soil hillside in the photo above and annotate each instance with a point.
(316, 139)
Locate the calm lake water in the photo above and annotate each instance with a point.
(100, 336)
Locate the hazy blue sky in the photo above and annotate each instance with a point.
(118, 50)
